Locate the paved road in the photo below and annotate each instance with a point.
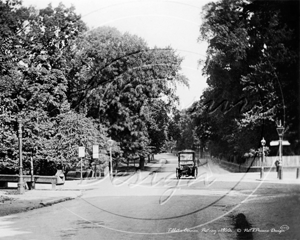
(158, 206)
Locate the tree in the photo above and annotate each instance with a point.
(73, 130)
(34, 51)
(181, 129)
(158, 124)
(250, 68)
(55, 75)
(119, 83)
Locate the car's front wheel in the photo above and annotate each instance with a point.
(195, 172)
(177, 173)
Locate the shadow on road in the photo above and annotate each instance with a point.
(243, 227)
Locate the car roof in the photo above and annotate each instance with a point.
(186, 151)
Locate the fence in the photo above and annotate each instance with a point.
(288, 161)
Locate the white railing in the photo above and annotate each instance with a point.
(269, 161)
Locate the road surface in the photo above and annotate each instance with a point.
(155, 205)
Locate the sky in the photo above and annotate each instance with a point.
(160, 23)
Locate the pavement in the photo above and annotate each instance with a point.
(11, 202)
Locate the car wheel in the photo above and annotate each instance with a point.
(195, 172)
(177, 173)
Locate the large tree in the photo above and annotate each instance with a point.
(55, 75)
(251, 70)
(120, 81)
(34, 49)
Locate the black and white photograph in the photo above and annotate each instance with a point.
(149, 119)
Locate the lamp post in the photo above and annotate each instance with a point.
(263, 143)
(21, 188)
(110, 143)
(280, 131)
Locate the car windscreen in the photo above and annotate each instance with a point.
(186, 156)
(186, 159)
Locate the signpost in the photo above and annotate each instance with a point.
(95, 156)
(81, 154)
(95, 151)
(31, 172)
(276, 143)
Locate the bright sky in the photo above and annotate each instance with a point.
(160, 23)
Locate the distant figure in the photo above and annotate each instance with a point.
(278, 165)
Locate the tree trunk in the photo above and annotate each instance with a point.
(142, 162)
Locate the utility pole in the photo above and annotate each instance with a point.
(21, 188)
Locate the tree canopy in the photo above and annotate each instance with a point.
(122, 83)
(252, 73)
(71, 86)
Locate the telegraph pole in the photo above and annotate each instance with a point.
(21, 188)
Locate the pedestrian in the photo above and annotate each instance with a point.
(280, 169)
(277, 167)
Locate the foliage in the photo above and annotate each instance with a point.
(33, 85)
(182, 130)
(72, 131)
(251, 70)
(121, 82)
(158, 122)
(72, 87)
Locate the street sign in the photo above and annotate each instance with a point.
(276, 143)
(95, 151)
(81, 151)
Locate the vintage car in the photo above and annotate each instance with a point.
(186, 164)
